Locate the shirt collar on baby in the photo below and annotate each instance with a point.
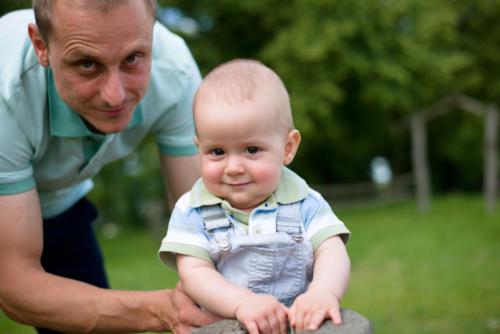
(291, 188)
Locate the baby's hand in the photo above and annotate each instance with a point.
(312, 307)
(262, 314)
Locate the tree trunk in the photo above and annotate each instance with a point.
(420, 165)
(491, 158)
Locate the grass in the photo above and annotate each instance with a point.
(434, 273)
(438, 273)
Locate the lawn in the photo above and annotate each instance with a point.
(435, 273)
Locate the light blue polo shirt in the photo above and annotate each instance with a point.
(44, 144)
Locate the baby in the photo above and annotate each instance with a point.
(251, 240)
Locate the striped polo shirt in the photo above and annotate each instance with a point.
(187, 235)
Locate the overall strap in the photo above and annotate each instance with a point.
(217, 224)
(289, 220)
(214, 217)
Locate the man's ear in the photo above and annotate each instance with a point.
(291, 146)
(39, 45)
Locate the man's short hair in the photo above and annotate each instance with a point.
(43, 11)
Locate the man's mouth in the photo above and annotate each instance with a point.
(114, 111)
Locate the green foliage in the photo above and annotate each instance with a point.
(355, 68)
(480, 35)
(10, 5)
(459, 155)
(124, 189)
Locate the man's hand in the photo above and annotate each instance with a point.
(187, 315)
(263, 314)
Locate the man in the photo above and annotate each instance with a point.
(84, 89)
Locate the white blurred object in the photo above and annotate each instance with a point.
(110, 230)
(381, 172)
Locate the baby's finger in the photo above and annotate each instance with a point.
(283, 321)
(307, 319)
(291, 315)
(264, 326)
(274, 323)
(251, 327)
(299, 319)
(315, 320)
(335, 315)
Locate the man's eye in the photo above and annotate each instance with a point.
(253, 150)
(87, 64)
(132, 59)
(217, 151)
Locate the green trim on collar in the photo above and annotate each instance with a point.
(200, 196)
(291, 188)
(240, 215)
(64, 122)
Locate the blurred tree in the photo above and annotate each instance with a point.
(458, 156)
(352, 68)
(125, 189)
(10, 5)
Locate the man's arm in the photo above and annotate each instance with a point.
(31, 296)
(179, 175)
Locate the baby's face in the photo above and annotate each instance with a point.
(242, 151)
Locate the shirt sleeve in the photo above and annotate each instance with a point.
(16, 171)
(186, 235)
(175, 79)
(320, 221)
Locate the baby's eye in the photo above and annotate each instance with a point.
(253, 150)
(217, 151)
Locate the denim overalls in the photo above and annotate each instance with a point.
(279, 264)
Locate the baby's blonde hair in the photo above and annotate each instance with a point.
(246, 80)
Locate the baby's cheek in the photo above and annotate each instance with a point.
(211, 174)
(270, 176)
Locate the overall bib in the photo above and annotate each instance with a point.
(279, 264)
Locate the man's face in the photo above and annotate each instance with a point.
(101, 61)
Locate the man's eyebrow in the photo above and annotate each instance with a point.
(78, 53)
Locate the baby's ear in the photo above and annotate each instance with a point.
(291, 146)
(195, 141)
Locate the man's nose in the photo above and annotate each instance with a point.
(112, 90)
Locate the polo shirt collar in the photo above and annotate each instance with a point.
(64, 122)
(291, 188)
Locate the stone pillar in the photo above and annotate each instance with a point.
(352, 323)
